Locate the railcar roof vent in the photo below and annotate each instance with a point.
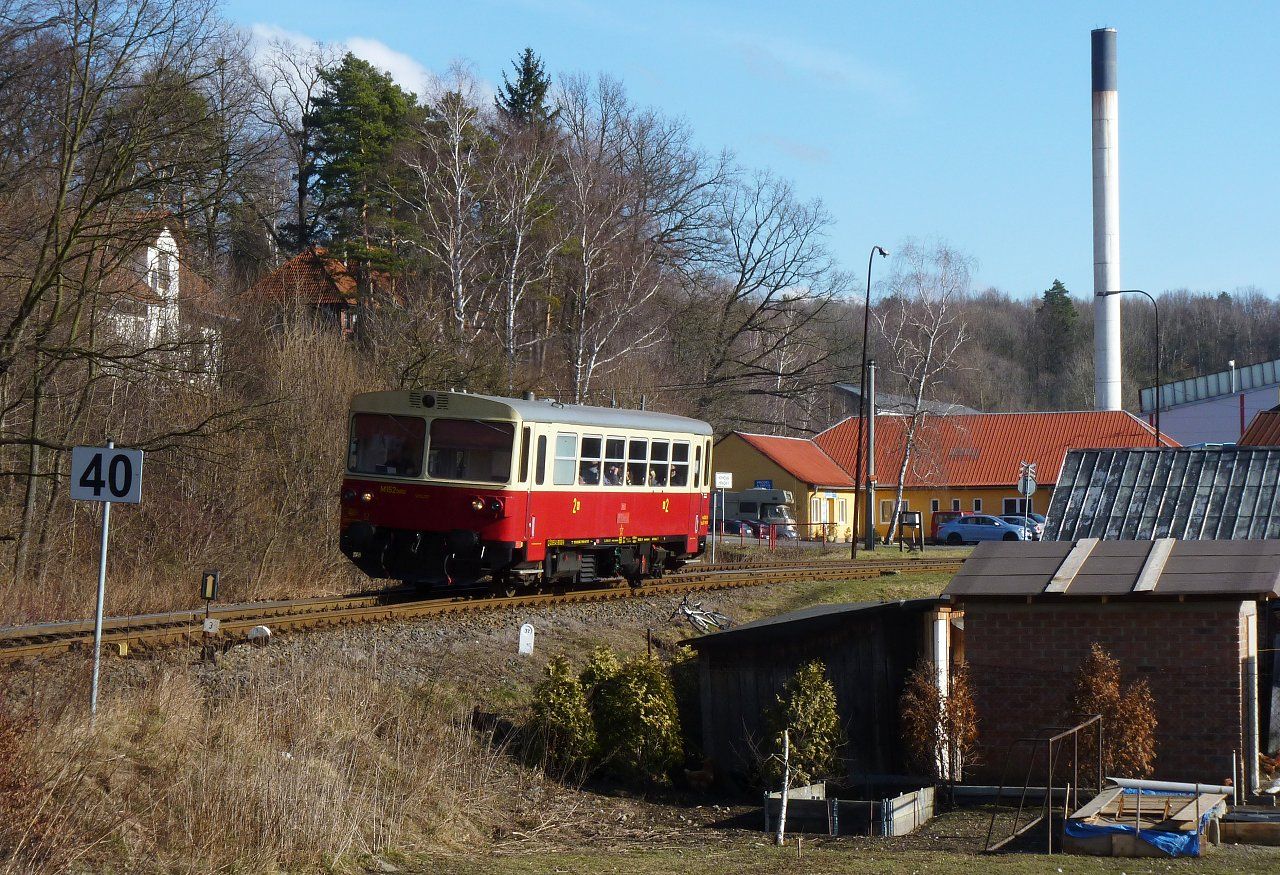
(442, 401)
(415, 399)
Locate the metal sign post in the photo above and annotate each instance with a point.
(723, 481)
(107, 475)
(1026, 488)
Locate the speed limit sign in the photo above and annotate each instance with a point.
(106, 474)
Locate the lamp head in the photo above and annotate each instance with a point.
(882, 251)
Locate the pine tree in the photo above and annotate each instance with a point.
(360, 118)
(1059, 336)
(525, 100)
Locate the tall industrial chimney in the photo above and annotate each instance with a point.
(1106, 221)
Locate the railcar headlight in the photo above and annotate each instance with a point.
(477, 504)
(367, 497)
(495, 506)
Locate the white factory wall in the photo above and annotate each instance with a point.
(1215, 420)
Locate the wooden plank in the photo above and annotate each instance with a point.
(1149, 576)
(1098, 803)
(1070, 566)
(1206, 801)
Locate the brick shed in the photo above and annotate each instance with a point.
(1182, 614)
(868, 649)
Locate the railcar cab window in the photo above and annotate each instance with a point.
(615, 461)
(562, 473)
(382, 443)
(637, 454)
(659, 451)
(470, 449)
(589, 463)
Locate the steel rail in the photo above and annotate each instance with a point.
(185, 626)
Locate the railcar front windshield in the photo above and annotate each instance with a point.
(382, 443)
(470, 449)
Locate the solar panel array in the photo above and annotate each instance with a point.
(1205, 493)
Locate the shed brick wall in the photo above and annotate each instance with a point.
(1024, 658)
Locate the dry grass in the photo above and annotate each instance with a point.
(298, 766)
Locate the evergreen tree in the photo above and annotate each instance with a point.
(360, 118)
(525, 100)
(1058, 335)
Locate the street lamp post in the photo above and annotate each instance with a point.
(1155, 308)
(862, 395)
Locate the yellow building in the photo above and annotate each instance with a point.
(823, 491)
(960, 462)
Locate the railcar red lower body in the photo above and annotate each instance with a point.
(435, 534)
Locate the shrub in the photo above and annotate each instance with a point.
(1128, 717)
(638, 722)
(806, 709)
(563, 731)
(940, 735)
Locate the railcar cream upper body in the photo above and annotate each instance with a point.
(489, 443)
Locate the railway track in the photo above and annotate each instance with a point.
(178, 627)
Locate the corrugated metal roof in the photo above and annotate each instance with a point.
(1194, 493)
(984, 449)
(1264, 431)
(800, 457)
(1244, 569)
(809, 620)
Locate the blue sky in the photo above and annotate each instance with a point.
(963, 122)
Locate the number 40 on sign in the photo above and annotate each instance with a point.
(106, 474)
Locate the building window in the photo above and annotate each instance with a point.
(887, 508)
(977, 505)
(1018, 506)
(955, 504)
(935, 506)
(841, 510)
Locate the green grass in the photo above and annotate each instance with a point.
(793, 597)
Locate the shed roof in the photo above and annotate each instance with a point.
(984, 449)
(808, 620)
(1264, 431)
(800, 457)
(1119, 569)
(1194, 493)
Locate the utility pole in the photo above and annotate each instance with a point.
(871, 455)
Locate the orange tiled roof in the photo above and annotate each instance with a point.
(800, 457)
(312, 277)
(1264, 431)
(984, 449)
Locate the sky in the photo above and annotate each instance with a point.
(961, 122)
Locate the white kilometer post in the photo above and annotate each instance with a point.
(107, 475)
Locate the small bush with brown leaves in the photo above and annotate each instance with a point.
(1128, 717)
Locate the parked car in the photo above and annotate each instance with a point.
(940, 518)
(1028, 521)
(981, 527)
(737, 527)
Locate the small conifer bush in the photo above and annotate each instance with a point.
(807, 710)
(564, 734)
(638, 723)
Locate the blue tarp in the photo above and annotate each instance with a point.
(1175, 844)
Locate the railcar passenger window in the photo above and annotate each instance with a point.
(637, 454)
(659, 453)
(680, 464)
(566, 459)
(615, 461)
(382, 443)
(542, 459)
(524, 454)
(470, 449)
(697, 467)
(589, 460)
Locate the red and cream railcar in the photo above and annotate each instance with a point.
(449, 487)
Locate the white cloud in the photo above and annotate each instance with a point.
(407, 72)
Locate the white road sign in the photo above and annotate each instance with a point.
(106, 474)
(724, 480)
(1027, 485)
